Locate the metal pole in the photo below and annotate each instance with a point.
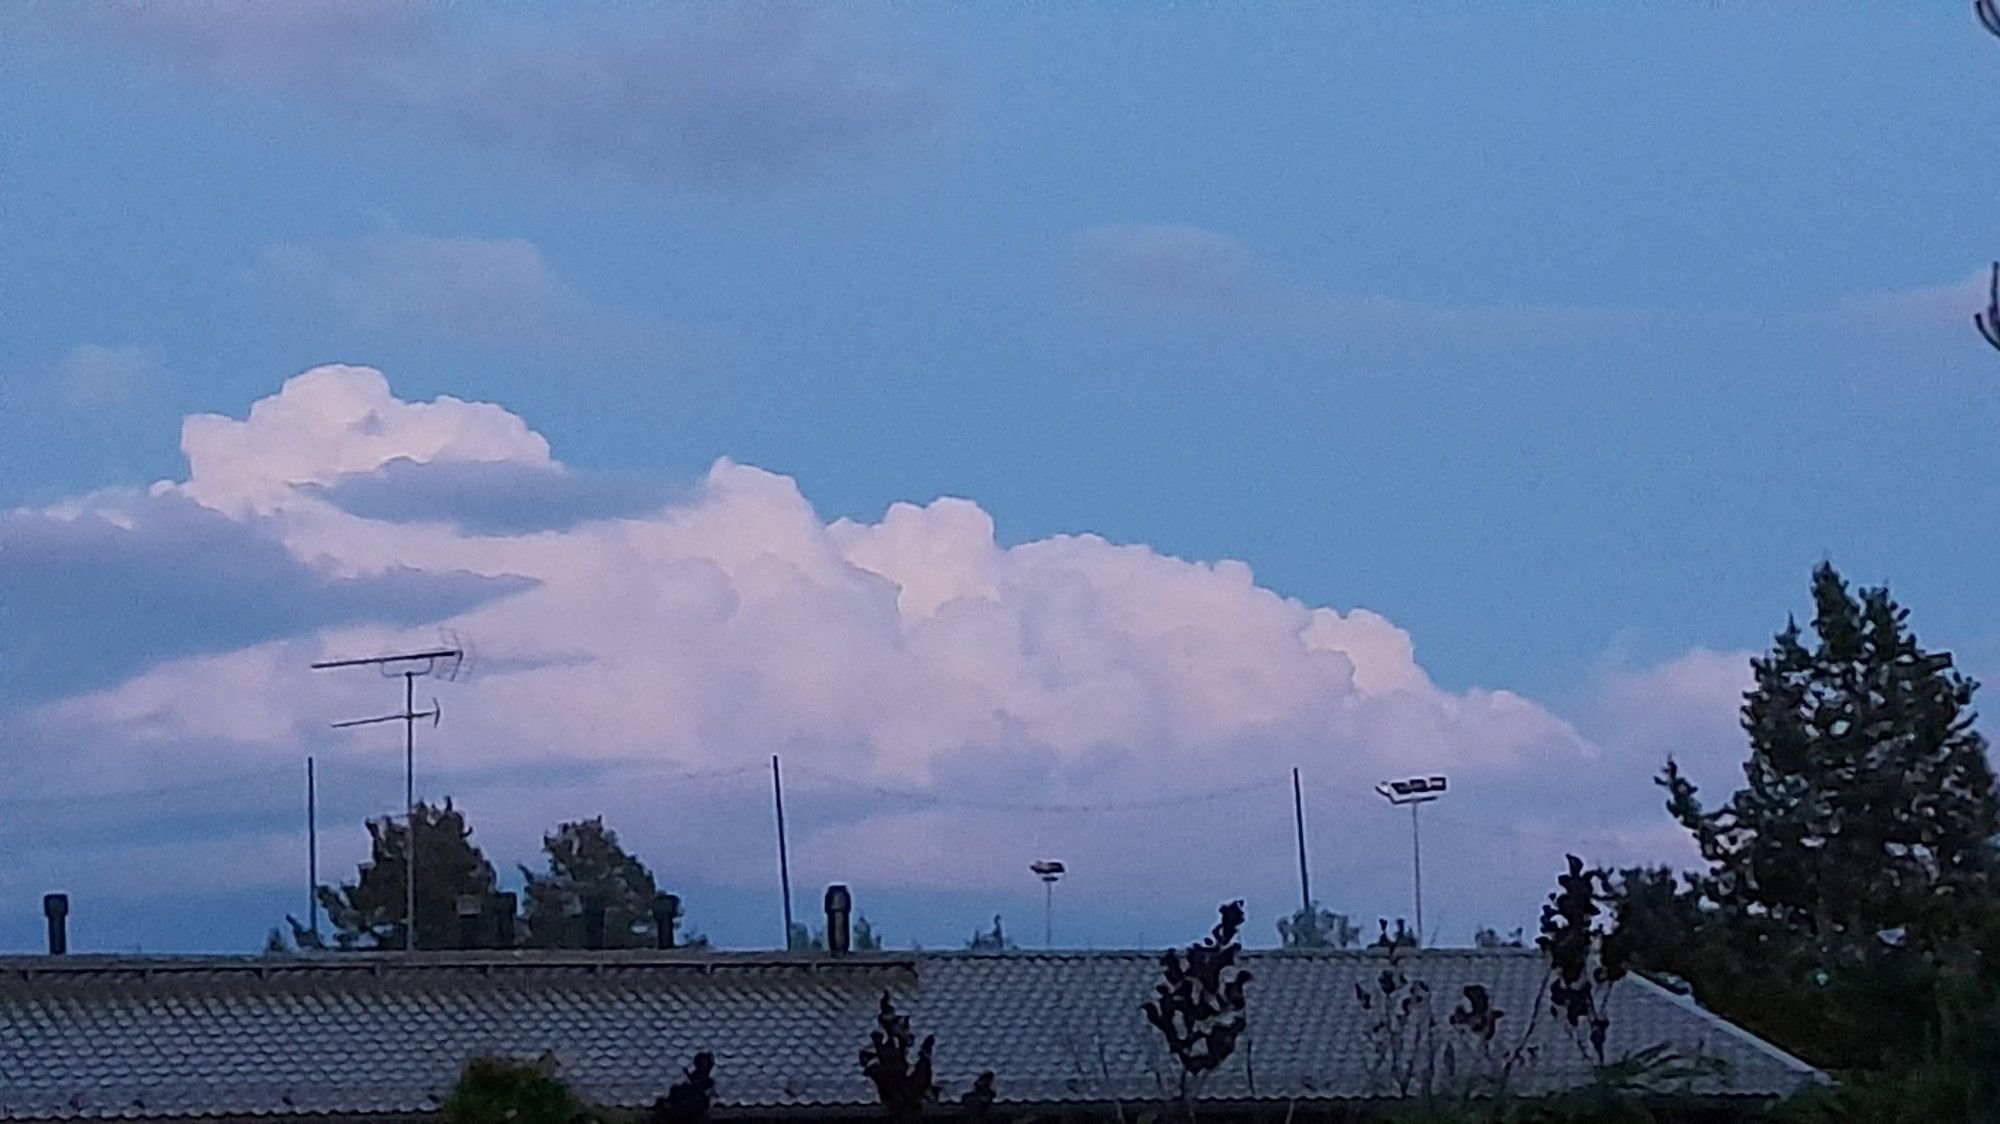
(410, 803)
(1048, 913)
(1299, 821)
(1417, 860)
(312, 849)
(784, 859)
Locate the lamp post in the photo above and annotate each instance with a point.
(1048, 870)
(1415, 792)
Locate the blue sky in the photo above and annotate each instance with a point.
(1565, 338)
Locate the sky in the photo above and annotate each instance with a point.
(1044, 427)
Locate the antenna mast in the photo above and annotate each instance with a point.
(411, 666)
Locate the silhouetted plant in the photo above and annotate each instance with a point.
(1398, 1029)
(507, 1091)
(1586, 956)
(903, 1083)
(1318, 927)
(688, 1100)
(1199, 1006)
(1491, 938)
(1403, 937)
(993, 940)
(977, 1103)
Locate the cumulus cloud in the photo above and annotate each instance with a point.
(705, 96)
(1176, 270)
(950, 702)
(474, 292)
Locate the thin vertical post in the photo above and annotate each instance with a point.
(1299, 822)
(1048, 913)
(1417, 861)
(312, 849)
(784, 858)
(410, 804)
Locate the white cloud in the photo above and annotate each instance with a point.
(333, 421)
(915, 652)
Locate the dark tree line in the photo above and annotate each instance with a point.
(591, 891)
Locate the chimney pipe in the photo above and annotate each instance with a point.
(666, 914)
(55, 907)
(468, 921)
(505, 905)
(839, 905)
(593, 925)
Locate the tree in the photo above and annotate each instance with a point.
(1848, 900)
(1318, 927)
(1489, 937)
(1869, 806)
(369, 912)
(587, 867)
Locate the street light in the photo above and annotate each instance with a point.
(1416, 792)
(1048, 870)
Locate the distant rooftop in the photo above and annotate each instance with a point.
(352, 1035)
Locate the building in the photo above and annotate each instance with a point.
(375, 1037)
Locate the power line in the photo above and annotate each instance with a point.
(938, 800)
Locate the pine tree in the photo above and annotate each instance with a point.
(369, 912)
(1869, 808)
(587, 866)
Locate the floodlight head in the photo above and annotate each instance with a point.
(1412, 790)
(1048, 870)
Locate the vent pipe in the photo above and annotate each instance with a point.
(55, 907)
(839, 907)
(666, 915)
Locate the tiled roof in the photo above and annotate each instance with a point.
(87, 1038)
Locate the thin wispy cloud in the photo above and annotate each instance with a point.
(702, 96)
(94, 376)
(482, 293)
(1188, 271)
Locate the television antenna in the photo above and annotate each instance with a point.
(436, 663)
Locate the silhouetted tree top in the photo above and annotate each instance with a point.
(368, 913)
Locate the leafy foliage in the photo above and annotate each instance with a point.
(1586, 954)
(587, 866)
(506, 1091)
(368, 913)
(1488, 937)
(1318, 927)
(1199, 1005)
(902, 1081)
(1869, 804)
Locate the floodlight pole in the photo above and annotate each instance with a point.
(1417, 867)
(1416, 792)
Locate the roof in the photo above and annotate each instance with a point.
(93, 1038)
